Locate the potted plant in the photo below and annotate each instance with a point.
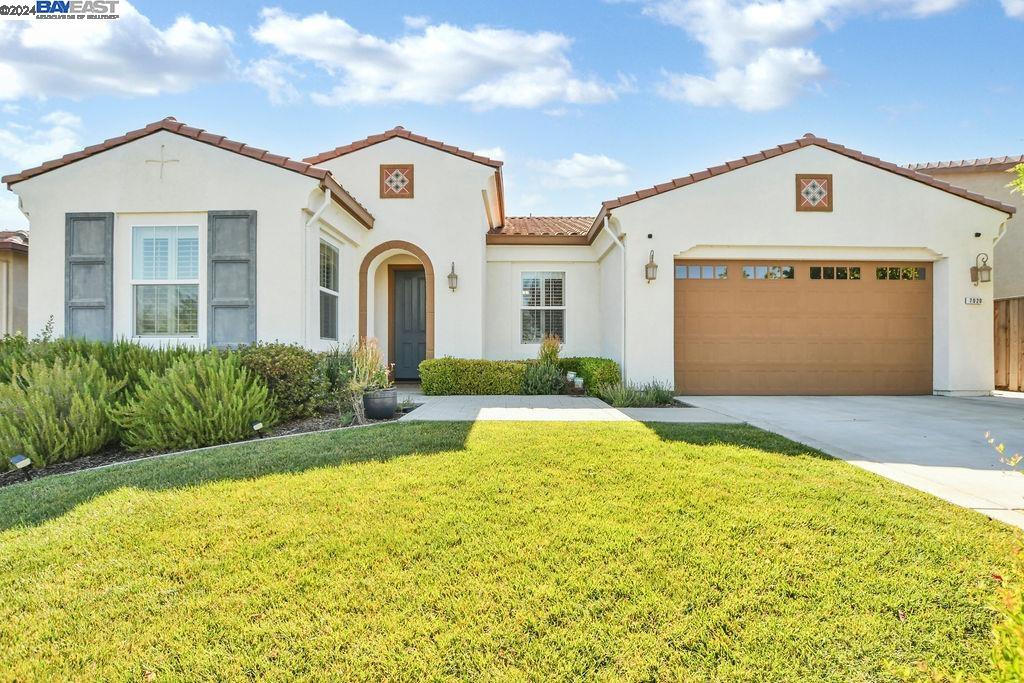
(371, 381)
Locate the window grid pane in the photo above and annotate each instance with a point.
(169, 310)
(328, 315)
(543, 306)
(328, 267)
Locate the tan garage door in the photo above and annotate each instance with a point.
(803, 328)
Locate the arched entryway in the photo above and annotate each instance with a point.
(401, 293)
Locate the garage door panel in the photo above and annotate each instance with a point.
(803, 335)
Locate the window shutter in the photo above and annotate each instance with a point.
(89, 276)
(232, 278)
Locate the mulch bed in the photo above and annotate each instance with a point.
(308, 425)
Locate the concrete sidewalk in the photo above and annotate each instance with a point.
(932, 443)
(546, 408)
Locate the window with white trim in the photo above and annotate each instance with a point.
(328, 292)
(543, 306)
(165, 280)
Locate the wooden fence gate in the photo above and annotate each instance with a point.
(1009, 335)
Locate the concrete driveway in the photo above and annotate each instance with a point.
(932, 443)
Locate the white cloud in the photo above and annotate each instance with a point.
(26, 146)
(771, 80)
(416, 22)
(484, 67)
(127, 56)
(1014, 8)
(757, 47)
(274, 77)
(584, 171)
(11, 217)
(496, 153)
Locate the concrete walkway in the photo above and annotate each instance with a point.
(932, 443)
(546, 408)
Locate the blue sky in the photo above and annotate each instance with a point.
(584, 101)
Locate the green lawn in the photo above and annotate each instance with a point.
(497, 551)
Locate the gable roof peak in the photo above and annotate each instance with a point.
(807, 140)
(400, 132)
(171, 125)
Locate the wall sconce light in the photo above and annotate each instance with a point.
(453, 279)
(981, 271)
(651, 269)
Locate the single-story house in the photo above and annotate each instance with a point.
(991, 177)
(807, 268)
(13, 281)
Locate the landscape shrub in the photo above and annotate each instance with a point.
(543, 378)
(337, 371)
(293, 375)
(56, 412)
(550, 346)
(122, 359)
(202, 401)
(468, 377)
(649, 395)
(594, 371)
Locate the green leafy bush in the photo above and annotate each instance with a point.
(292, 373)
(56, 412)
(650, 395)
(201, 401)
(467, 377)
(543, 379)
(594, 371)
(123, 359)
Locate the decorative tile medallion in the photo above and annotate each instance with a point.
(813, 192)
(396, 181)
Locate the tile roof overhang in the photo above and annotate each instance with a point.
(566, 230)
(14, 240)
(402, 133)
(979, 165)
(169, 124)
(806, 141)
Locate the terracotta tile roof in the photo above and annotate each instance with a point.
(806, 141)
(566, 230)
(546, 225)
(399, 132)
(171, 125)
(987, 164)
(14, 240)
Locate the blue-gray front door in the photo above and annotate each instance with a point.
(409, 306)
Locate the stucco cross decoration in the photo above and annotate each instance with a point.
(162, 161)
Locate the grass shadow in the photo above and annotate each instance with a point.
(35, 502)
(709, 434)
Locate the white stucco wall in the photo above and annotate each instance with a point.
(505, 266)
(205, 178)
(749, 213)
(446, 218)
(1008, 257)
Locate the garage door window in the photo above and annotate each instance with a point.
(899, 273)
(767, 272)
(835, 272)
(701, 272)
(543, 307)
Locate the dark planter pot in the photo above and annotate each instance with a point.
(381, 404)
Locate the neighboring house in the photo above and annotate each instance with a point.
(991, 178)
(13, 281)
(806, 268)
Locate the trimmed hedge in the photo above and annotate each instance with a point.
(594, 371)
(468, 377)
